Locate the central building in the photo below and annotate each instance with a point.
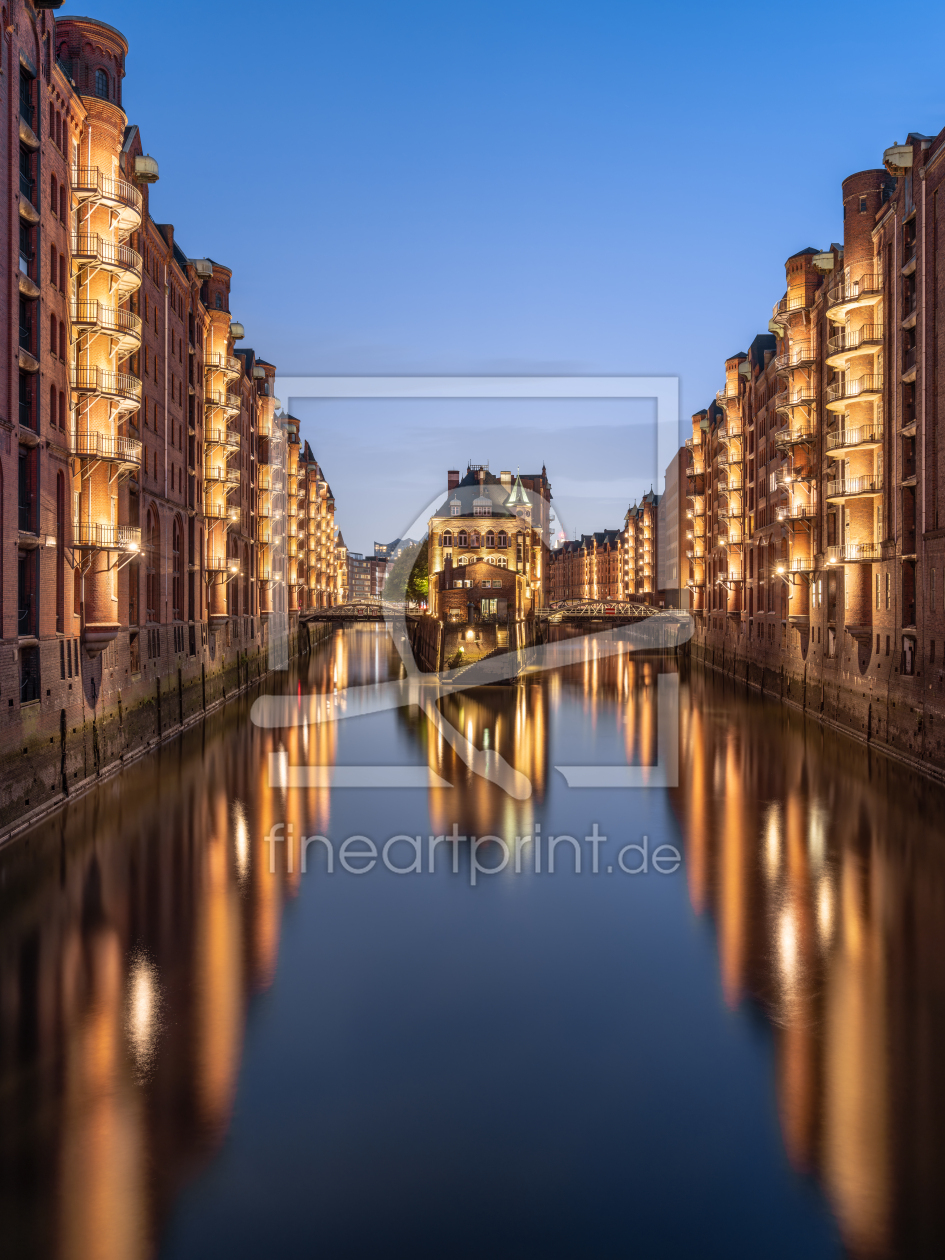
(488, 548)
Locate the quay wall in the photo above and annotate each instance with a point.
(105, 716)
(870, 700)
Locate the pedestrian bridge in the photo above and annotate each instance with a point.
(597, 610)
(365, 610)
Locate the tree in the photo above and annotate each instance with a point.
(408, 578)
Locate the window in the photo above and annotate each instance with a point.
(877, 605)
(474, 538)
(153, 563)
(101, 84)
(503, 539)
(62, 273)
(219, 302)
(862, 205)
(178, 571)
(462, 539)
(447, 539)
(62, 411)
(52, 404)
(887, 592)
(53, 334)
(53, 194)
(490, 538)
(62, 341)
(62, 203)
(932, 590)
(60, 553)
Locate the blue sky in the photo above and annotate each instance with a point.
(510, 187)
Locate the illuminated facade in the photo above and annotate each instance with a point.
(149, 495)
(323, 567)
(815, 480)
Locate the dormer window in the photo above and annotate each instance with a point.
(456, 507)
(101, 84)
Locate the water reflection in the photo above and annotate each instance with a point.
(823, 870)
(136, 927)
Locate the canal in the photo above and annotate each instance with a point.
(204, 1052)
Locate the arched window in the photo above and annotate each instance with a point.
(462, 539)
(503, 539)
(62, 411)
(53, 334)
(59, 136)
(53, 191)
(219, 302)
(52, 120)
(60, 553)
(447, 539)
(490, 538)
(101, 84)
(474, 538)
(62, 341)
(52, 405)
(62, 202)
(153, 563)
(178, 582)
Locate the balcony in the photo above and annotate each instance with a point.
(797, 512)
(120, 197)
(790, 303)
(228, 364)
(787, 438)
(803, 396)
(867, 435)
(226, 438)
(694, 443)
(799, 564)
(846, 342)
(120, 388)
(853, 553)
(862, 389)
(125, 451)
(220, 474)
(123, 327)
(220, 512)
(89, 536)
(798, 356)
(730, 430)
(121, 262)
(854, 487)
(847, 295)
(220, 564)
(696, 469)
(215, 399)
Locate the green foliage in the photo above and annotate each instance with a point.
(456, 659)
(409, 576)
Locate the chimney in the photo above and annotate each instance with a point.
(505, 477)
(452, 479)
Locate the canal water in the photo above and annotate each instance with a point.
(204, 1052)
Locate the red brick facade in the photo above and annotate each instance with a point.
(816, 477)
(148, 492)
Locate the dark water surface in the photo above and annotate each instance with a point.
(742, 1058)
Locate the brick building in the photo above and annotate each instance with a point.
(496, 525)
(145, 477)
(590, 567)
(815, 477)
(323, 572)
